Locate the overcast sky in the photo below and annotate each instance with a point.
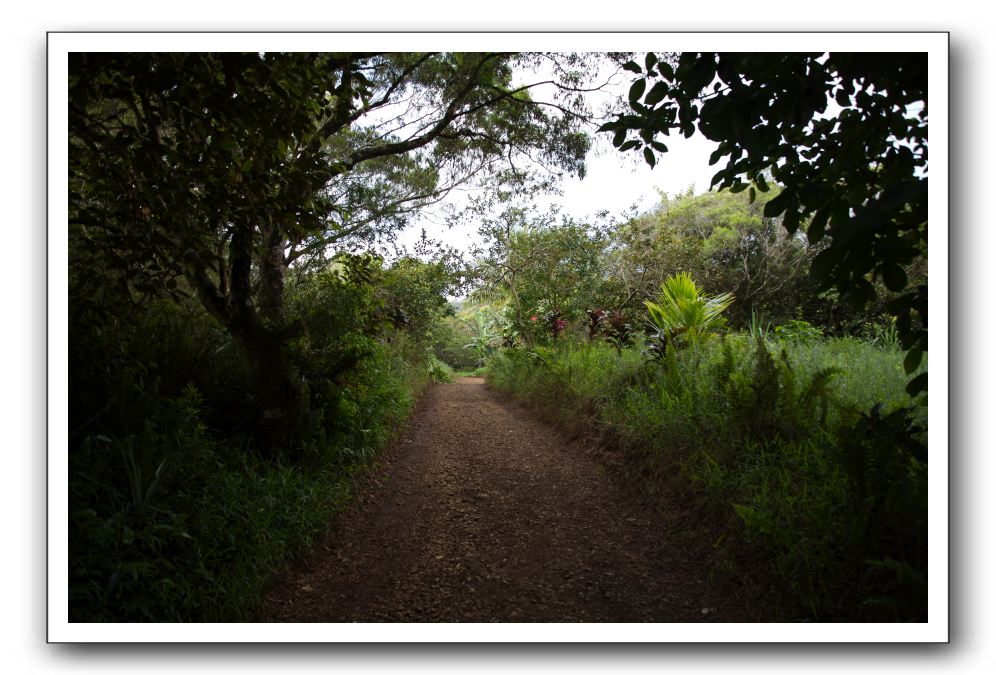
(615, 181)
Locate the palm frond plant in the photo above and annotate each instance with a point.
(485, 335)
(682, 314)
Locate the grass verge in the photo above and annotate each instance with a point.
(809, 449)
(174, 524)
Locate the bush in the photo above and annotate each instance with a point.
(812, 447)
(440, 371)
(449, 344)
(172, 514)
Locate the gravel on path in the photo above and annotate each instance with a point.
(480, 512)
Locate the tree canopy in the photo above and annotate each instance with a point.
(844, 134)
(212, 174)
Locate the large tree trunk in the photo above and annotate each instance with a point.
(262, 334)
(279, 396)
(271, 281)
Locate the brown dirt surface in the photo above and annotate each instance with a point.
(482, 512)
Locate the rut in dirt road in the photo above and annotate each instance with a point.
(482, 513)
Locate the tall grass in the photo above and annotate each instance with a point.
(809, 446)
(173, 515)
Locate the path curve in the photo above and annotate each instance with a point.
(481, 512)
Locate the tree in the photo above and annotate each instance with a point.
(212, 174)
(540, 267)
(727, 244)
(859, 176)
(508, 256)
(414, 294)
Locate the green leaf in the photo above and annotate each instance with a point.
(629, 145)
(775, 206)
(917, 385)
(894, 277)
(716, 156)
(637, 89)
(791, 219)
(657, 93)
(912, 360)
(860, 293)
(752, 195)
(650, 61)
(648, 155)
(700, 75)
(818, 226)
(824, 262)
(633, 67)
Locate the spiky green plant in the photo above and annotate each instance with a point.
(683, 310)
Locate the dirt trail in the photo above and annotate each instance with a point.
(481, 512)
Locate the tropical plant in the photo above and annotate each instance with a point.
(857, 180)
(682, 311)
(812, 449)
(798, 330)
(541, 268)
(486, 335)
(620, 330)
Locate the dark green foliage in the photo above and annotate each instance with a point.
(768, 430)
(544, 269)
(174, 517)
(450, 339)
(727, 245)
(174, 514)
(440, 371)
(798, 330)
(619, 330)
(596, 319)
(772, 402)
(857, 181)
(212, 174)
(885, 460)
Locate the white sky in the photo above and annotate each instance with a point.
(614, 182)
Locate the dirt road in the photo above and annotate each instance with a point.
(481, 512)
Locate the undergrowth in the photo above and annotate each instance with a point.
(173, 514)
(810, 445)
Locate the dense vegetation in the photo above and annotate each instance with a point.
(786, 411)
(855, 179)
(804, 448)
(238, 351)
(241, 345)
(175, 512)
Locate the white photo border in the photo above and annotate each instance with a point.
(935, 630)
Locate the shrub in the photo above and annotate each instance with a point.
(682, 314)
(798, 330)
(172, 514)
(811, 447)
